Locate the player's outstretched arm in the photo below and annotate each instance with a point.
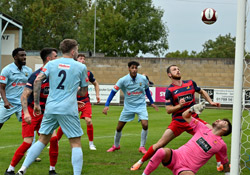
(24, 101)
(151, 99)
(198, 108)
(208, 99)
(106, 108)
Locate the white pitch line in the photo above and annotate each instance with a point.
(85, 138)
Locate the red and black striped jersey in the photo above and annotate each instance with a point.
(44, 90)
(85, 98)
(174, 93)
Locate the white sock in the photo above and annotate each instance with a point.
(11, 168)
(52, 168)
(91, 143)
(218, 164)
(23, 168)
(144, 134)
(118, 136)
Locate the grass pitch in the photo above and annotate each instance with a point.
(100, 162)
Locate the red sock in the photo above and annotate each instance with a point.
(90, 132)
(19, 153)
(217, 157)
(59, 133)
(148, 154)
(53, 151)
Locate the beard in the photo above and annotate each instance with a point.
(22, 63)
(176, 77)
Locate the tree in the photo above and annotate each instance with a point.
(45, 22)
(124, 28)
(222, 47)
(183, 54)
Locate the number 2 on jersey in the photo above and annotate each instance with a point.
(63, 74)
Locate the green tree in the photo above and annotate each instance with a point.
(124, 28)
(183, 54)
(222, 47)
(46, 22)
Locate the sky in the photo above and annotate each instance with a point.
(186, 31)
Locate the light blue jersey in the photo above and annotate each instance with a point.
(65, 76)
(15, 81)
(134, 92)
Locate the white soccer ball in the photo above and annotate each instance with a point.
(209, 16)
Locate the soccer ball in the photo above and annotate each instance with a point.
(209, 16)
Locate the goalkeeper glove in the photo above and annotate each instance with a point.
(198, 108)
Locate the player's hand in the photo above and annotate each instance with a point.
(215, 104)
(7, 105)
(80, 104)
(98, 99)
(182, 102)
(198, 108)
(105, 110)
(37, 110)
(154, 106)
(27, 118)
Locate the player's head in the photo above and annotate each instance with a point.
(19, 56)
(224, 125)
(133, 68)
(48, 54)
(69, 47)
(174, 72)
(81, 58)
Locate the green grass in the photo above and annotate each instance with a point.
(100, 162)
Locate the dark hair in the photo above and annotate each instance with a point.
(67, 45)
(229, 127)
(81, 55)
(45, 52)
(16, 50)
(133, 63)
(169, 67)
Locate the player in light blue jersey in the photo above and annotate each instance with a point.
(13, 78)
(65, 76)
(134, 86)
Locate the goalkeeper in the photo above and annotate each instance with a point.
(206, 142)
(179, 97)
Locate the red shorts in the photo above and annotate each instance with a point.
(28, 130)
(179, 127)
(86, 111)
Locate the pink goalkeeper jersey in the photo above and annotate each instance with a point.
(202, 146)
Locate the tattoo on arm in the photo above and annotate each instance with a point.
(24, 98)
(37, 87)
(82, 91)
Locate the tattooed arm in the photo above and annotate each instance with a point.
(24, 100)
(82, 91)
(36, 89)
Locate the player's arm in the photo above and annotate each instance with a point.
(7, 104)
(97, 90)
(24, 101)
(171, 109)
(111, 95)
(82, 91)
(151, 99)
(207, 98)
(36, 92)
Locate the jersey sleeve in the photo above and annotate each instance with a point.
(223, 154)
(197, 125)
(84, 77)
(146, 82)
(91, 77)
(197, 88)
(4, 76)
(168, 98)
(30, 82)
(118, 85)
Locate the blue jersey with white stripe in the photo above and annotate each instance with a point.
(65, 76)
(134, 91)
(15, 80)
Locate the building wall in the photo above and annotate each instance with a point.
(206, 72)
